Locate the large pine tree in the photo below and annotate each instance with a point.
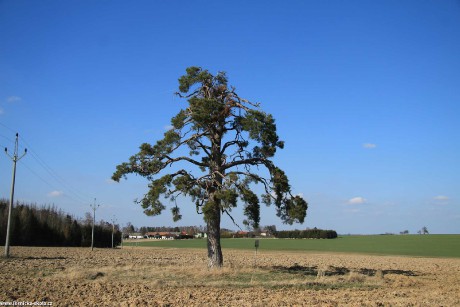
(229, 139)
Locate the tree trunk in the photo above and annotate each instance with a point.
(215, 258)
(213, 214)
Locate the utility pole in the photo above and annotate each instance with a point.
(15, 159)
(94, 207)
(122, 234)
(113, 227)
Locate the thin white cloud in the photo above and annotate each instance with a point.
(13, 99)
(168, 127)
(55, 193)
(2, 111)
(441, 198)
(357, 200)
(369, 145)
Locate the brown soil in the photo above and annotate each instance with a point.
(179, 277)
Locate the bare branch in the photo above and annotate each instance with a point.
(192, 138)
(204, 147)
(228, 144)
(173, 160)
(186, 96)
(251, 161)
(258, 178)
(231, 217)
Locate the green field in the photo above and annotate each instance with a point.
(409, 245)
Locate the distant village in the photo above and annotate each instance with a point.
(179, 235)
(193, 232)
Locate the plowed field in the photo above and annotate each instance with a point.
(179, 277)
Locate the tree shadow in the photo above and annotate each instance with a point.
(296, 269)
(335, 271)
(372, 272)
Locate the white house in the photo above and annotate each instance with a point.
(135, 235)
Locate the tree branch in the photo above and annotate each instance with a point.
(173, 160)
(250, 161)
(204, 147)
(231, 217)
(228, 144)
(186, 96)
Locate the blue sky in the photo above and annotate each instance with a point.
(366, 96)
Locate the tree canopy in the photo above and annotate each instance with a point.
(228, 140)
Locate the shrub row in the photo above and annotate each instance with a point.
(314, 233)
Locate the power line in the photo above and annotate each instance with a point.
(8, 128)
(47, 182)
(58, 178)
(37, 175)
(83, 197)
(7, 138)
(71, 192)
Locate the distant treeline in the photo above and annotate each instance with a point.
(314, 233)
(48, 226)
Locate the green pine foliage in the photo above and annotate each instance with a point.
(229, 139)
